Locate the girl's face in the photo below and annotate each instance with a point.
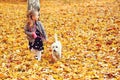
(36, 16)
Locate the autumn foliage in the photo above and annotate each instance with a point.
(88, 29)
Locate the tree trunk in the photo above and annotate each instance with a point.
(33, 5)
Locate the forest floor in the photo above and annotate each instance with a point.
(88, 30)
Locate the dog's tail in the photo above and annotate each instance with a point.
(56, 38)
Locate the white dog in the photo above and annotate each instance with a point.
(56, 49)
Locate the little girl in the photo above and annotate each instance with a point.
(35, 33)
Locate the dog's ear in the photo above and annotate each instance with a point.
(51, 46)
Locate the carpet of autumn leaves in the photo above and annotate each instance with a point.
(88, 29)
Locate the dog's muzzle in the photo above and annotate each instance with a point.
(54, 51)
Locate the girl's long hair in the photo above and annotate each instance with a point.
(30, 14)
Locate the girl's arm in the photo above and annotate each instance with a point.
(42, 30)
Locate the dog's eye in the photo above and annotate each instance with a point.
(56, 47)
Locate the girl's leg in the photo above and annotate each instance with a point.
(33, 50)
(35, 53)
(38, 53)
(30, 45)
(38, 45)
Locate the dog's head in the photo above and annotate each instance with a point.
(56, 47)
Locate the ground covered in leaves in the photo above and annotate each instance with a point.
(89, 31)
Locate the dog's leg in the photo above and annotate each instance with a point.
(54, 57)
(39, 55)
(60, 55)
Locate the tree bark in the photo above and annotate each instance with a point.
(33, 5)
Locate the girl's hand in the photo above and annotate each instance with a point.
(48, 42)
(34, 35)
(45, 40)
